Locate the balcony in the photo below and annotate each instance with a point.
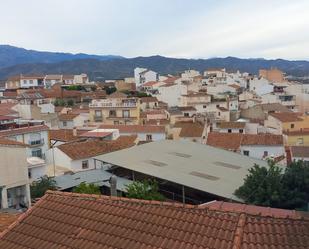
(36, 143)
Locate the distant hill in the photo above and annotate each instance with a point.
(10, 56)
(113, 67)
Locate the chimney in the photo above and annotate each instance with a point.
(113, 185)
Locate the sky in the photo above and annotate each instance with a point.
(175, 28)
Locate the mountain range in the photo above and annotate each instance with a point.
(15, 60)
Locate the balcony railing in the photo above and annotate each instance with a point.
(113, 105)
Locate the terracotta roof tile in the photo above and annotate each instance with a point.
(287, 117)
(4, 141)
(232, 125)
(85, 149)
(148, 99)
(63, 135)
(261, 139)
(23, 130)
(134, 129)
(6, 219)
(189, 129)
(233, 141)
(70, 220)
(300, 151)
(228, 141)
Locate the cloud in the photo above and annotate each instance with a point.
(178, 28)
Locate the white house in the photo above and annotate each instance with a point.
(14, 189)
(78, 156)
(71, 120)
(143, 132)
(36, 136)
(262, 146)
(143, 75)
(171, 93)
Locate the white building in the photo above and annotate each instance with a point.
(143, 132)
(143, 75)
(78, 156)
(14, 182)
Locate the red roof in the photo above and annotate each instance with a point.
(287, 116)
(23, 130)
(233, 141)
(95, 134)
(171, 80)
(4, 141)
(150, 83)
(71, 220)
(134, 129)
(86, 149)
(254, 210)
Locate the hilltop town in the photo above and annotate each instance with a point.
(197, 134)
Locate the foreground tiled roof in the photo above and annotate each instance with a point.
(68, 220)
(86, 149)
(134, 129)
(6, 219)
(23, 130)
(148, 99)
(255, 210)
(189, 129)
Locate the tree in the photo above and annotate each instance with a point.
(70, 102)
(110, 90)
(277, 188)
(263, 186)
(85, 188)
(296, 185)
(147, 190)
(39, 187)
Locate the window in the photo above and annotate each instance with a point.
(186, 114)
(204, 106)
(98, 113)
(126, 113)
(229, 130)
(116, 122)
(112, 113)
(31, 81)
(64, 123)
(292, 126)
(300, 141)
(36, 153)
(219, 113)
(246, 152)
(241, 131)
(85, 164)
(148, 137)
(265, 153)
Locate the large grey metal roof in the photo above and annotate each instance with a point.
(190, 164)
(97, 176)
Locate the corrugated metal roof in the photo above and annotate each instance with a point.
(204, 159)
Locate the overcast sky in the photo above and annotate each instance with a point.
(174, 28)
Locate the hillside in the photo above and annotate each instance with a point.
(10, 56)
(17, 60)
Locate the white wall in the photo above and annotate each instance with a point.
(257, 151)
(142, 136)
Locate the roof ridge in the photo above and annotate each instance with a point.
(239, 231)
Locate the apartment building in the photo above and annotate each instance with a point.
(24, 81)
(116, 109)
(14, 182)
